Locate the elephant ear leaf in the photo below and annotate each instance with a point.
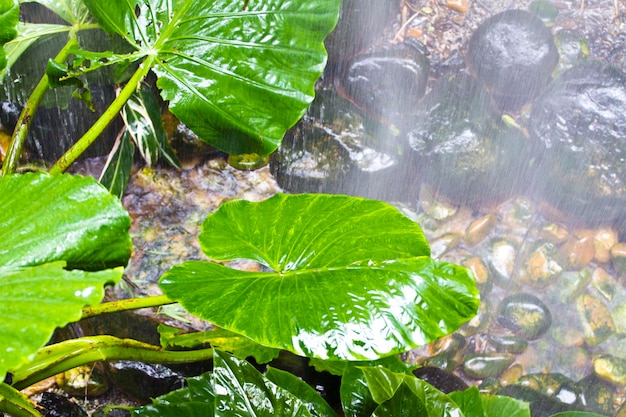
(238, 73)
(50, 226)
(342, 278)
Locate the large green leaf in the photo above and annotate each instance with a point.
(349, 279)
(69, 218)
(238, 73)
(34, 301)
(9, 18)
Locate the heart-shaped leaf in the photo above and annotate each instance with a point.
(349, 278)
(238, 73)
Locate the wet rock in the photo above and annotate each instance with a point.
(333, 149)
(484, 365)
(501, 258)
(463, 146)
(545, 11)
(597, 395)
(540, 405)
(511, 375)
(387, 83)
(611, 369)
(547, 384)
(143, 381)
(539, 264)
(595, 319)
(514, 53)
(525, 315)
(604, 239)
(579, 128)
(479, 229)
(573, 48)
(481, 273)
(55, 405)
(440, 379)
(361, 24)
(508, 343)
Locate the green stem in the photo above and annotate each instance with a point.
(15, 403)
(107, 117)
(125, 305)
(28, 113)
(60, 357)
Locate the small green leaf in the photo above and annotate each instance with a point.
(316, 405)
(238, 73)
(241, 390)
(34, 301)
(65, 217)
(349, 278)
(9, 18)
(116, 171)
(436, 402)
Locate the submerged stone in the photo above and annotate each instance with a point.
(514, 53)
(464, 147)
(525, 315)
(483, 365)
(579, 128)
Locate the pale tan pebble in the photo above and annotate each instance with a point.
(479, 229)
(444, 244)
(577, 253)
(478, 267)
(511, 374)
(604, 283)
(604, 240)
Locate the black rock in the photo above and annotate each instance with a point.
(440, 379)
(513, 53)
(55, 405)
(144, 381)
(579, 127)
(466, 153)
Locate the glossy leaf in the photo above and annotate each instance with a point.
(9, 18)
(238, 73)
(382, 382)
(27, 34)
(436, 402)
(142, 118)
(316, 405)
(70, 218)
(35, 300)
(240, 346)
(116, 171)
(349, 280)
(241, 390)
